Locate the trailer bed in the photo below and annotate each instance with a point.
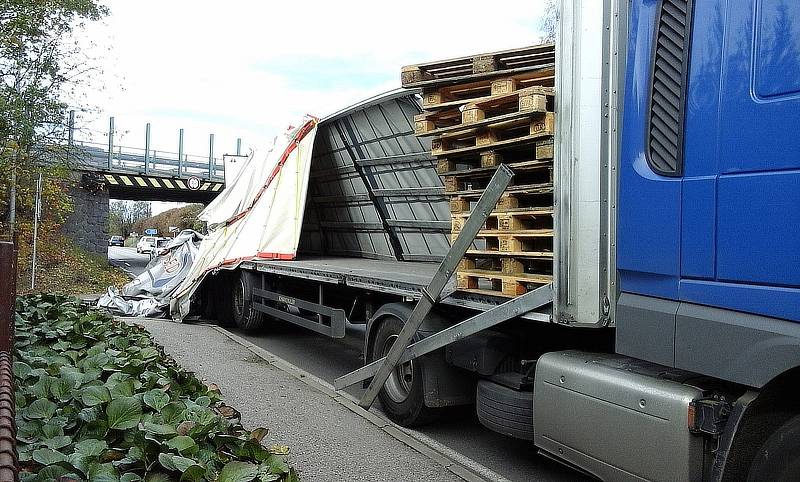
(404, 278)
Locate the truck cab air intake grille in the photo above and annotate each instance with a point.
(668, 89)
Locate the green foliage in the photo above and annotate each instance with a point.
(97, 400)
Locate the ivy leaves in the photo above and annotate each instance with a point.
(97, 400)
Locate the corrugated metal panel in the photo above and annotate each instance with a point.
(365, 158)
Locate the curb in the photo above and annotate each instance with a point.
(458, 464)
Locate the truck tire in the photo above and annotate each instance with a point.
(777, 459)
(242, 310)
(505, 410)
(403, 394)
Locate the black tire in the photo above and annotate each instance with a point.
(505, 410)
(403, 394)
(777, 460)
(241, 307)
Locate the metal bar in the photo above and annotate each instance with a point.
(147, 148)
(210, 156)
(341, 198)
(37, 214)
(110, 141)
(352, 225)
(482, 321)
(435, 258)
(416, 224)
(337, 316)
(410, 192)
(71, 129)
(8, 294)
(474, 223)
(180, 152)
(239, 146)
(407, 158)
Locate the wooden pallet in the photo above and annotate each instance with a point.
(516, 220)
(484, 111)
(531, 241)
(497, 136)
(499, 284)
(529, 174)
(462, 69)
(486, 162)
(507, 264)
(455, 96)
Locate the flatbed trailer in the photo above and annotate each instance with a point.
(667, 346)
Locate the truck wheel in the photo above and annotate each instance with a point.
(242, 310)
(505, 410)
(777, 459)
(403, 395)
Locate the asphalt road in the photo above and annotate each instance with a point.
(128, 260)
(328, 358)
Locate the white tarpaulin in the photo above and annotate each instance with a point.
(258, 215)
(149, 293)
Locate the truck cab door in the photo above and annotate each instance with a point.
(740, 193)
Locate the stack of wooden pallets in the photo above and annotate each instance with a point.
(482, 111)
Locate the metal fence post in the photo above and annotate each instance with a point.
(71, 129)
(146, 148)
(110, 140)
(180, 152)
(211, 156)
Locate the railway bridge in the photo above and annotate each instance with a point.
(108, 171)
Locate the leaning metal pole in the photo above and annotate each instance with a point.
(430, 295)
(37, 214)
(515, 307)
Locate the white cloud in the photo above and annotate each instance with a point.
(250, 68)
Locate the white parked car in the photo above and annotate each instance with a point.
(146, 244)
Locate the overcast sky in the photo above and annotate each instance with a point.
(250, 69)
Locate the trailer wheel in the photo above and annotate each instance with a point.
(403, 395)
(777, 459)
(242, 310)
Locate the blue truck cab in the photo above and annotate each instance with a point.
(703, 379)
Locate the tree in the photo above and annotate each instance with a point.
(40, 64)
(124, 214)
(549, 22)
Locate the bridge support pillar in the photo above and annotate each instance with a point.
(87, 226)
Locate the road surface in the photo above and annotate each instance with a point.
(128, 260)
(329, 358)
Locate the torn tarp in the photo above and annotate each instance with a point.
(149, 293)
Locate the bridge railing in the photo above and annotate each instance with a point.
(154, 162)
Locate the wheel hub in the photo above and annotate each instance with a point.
(398, 385)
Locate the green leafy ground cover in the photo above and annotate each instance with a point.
(97, 400)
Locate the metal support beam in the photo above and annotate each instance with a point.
(110, 141)
(180, 152)
(430, 295)
(211, 156)
(515, 307)
(354, 150)
(147, 148)
(336, 329)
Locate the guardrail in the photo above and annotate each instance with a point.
(9, 461)
(139, 161)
